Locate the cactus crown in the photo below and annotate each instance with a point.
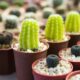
(29, 36)
(73, 22)
(55, 29)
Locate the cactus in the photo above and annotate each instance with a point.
(29, 36)
(73, 22)
(56, 3)
(15, 12)
(11, 22)
(47, 12)
(3, 5)
(54, 30)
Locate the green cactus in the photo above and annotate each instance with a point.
(3, 5)
(54, 30)
(73, 22)
(29, 36)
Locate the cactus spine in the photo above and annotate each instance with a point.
(73, 22)
(29, 36)
(55, 29)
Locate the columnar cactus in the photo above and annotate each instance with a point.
(55, 29)
(29, 36)
(73, 22)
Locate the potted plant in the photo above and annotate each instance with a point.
(72, 25)
(28, 49)
(74, 75)
(51, 68)
(7, 65)
(55, 34)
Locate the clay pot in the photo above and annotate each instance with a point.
(74, 39)
(7, 64)
(38, 76)
(23, 62)
(72, 74)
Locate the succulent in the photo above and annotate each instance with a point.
(75, 50)
(3, 5)
(56, 3)
(54, 30)
(73, 22)
(5, 38)
(47, 12)
(11, 22)
(18, 2)
(31, 8)
(52, 61)
(29, 36)
(15, 12)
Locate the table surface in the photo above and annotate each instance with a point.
(8, 77)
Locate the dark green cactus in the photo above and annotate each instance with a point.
(73, 22)
(29, 36)
(15, 12)
(3, 5)
(55, 29)
(11, 22)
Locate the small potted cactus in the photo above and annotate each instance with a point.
(72, 25)
(28, 49)
(11, 23)
(3, 5)
(7, 65)
(15, 12)
(55, 34)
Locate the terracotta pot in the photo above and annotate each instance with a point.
(38, 76)
(7, 64)
(24, 61)
(72, 74)
(74, 39)
(76, 64)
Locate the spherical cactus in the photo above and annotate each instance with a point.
(47, 12)
(54, 30)
(11, 22)
(3, 5)
(15, 12)
(29, 36)
(72, 23)
(32, 8)
(5, 38)
(18, 2)
(57, 3)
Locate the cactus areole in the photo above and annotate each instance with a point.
(72, 23)
(55, 29)
(29, 36)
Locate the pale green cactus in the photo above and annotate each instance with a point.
(55, 28)
(72, 23)
(29, 36)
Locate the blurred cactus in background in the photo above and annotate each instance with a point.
(29, 36)
(72, 23)
(11, 22)
(55, 29)
(4, 5)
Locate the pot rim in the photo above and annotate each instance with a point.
(65, 59)
(72, 74)
(33, 52)
(71, 34)
(34, 63)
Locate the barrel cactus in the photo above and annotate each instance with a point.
(73, 22)
(29, 36)
(54, 30)
(3, 5)
(11, 22)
